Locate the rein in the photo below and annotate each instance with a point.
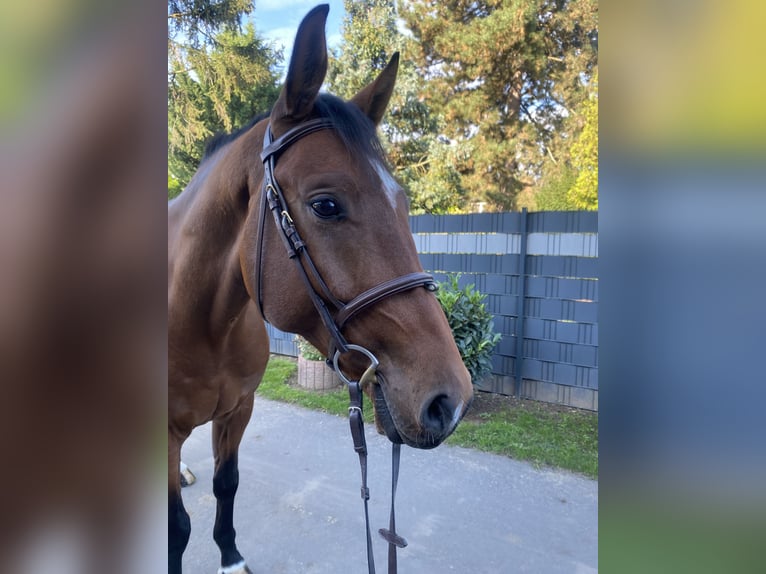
(356, 422)
(272, 199)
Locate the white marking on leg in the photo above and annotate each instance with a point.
(188, 474)
(237, 568)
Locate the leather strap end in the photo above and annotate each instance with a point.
(392, 538)
(357, 430)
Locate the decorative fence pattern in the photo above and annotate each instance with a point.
(539, 272)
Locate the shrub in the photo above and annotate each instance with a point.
(307, 350)
(471, 325)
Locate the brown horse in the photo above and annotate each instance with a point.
(315, 163)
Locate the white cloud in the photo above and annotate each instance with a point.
(283, 36)
(334, 40)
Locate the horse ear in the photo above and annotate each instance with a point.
(374, 99)
(308, 66)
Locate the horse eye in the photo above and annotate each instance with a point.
(326, 208)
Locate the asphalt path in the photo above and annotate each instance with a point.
(299, 511)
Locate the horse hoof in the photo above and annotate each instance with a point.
(238, 568)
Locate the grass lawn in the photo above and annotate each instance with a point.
(278, 384)
(545, 435)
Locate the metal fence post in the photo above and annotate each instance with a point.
(519, 364)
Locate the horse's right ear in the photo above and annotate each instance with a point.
(308, 66)
(373, 99)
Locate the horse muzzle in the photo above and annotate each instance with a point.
(437, 419)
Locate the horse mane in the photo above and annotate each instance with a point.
(356, 130)
(221, 139)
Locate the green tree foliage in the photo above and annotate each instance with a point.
(369, 40)
(422, 160)
(584, 192)
(219, 76)
(198, 21)
(174, 186)
(553, 192)
(504, 75)
(572, 183)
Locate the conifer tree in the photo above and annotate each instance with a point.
(505, 75)
(220, 75)
(422, 159)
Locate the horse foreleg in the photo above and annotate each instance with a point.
(187, 476)
(227, 434)
(179, 525)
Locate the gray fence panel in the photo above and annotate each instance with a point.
(562, 266)
(563, 222)
(280, 342)
(562, 310)
(561, 288)
(475, 222)
(545, 329)
(560, 373)
(558, 352)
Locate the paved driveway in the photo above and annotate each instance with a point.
(298, 509)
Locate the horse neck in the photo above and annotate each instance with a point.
(205, 226)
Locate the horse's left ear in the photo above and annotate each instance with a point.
(308, 66)
(374, 99)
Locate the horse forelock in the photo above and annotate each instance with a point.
(356, 130)
(359, 136)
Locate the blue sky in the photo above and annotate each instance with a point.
(277, 21)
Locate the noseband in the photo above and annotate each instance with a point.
(273, 199)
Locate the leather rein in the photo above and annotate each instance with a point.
(272, 199)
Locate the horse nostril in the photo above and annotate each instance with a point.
(439, 416)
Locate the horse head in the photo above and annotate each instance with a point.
(336, 194)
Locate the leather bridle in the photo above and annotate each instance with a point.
(272, 199)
